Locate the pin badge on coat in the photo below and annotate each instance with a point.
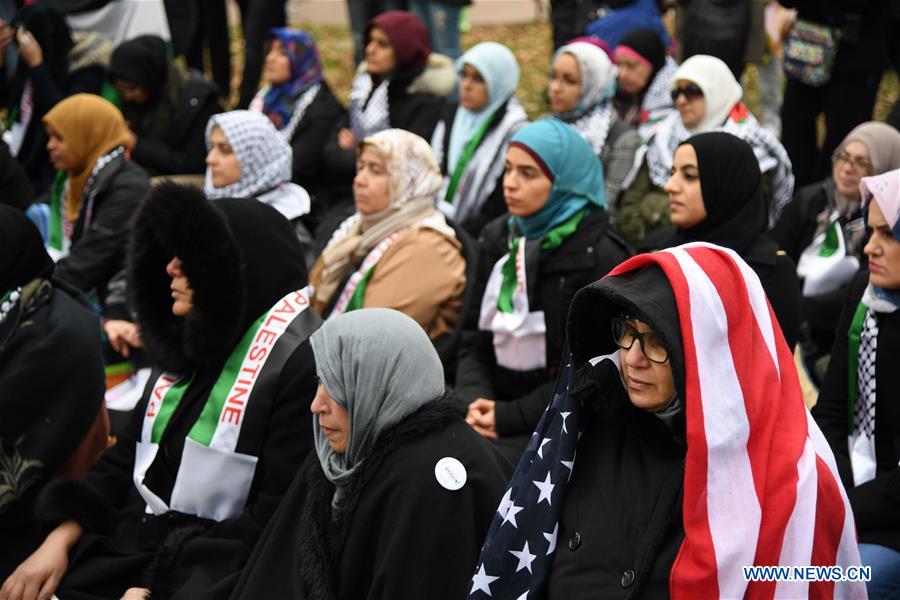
(450, 473)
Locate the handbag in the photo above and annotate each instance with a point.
(809, 52)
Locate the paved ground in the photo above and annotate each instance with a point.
(483, 12)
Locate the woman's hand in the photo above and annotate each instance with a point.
(136, 594)
(38, 577)
(29, 48)
(482, 417)
(346, 139)
(123, 335)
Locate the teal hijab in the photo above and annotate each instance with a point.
(577, 175)
(498, 67)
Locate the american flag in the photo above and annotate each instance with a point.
(761, 486)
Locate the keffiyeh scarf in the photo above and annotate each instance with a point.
(660, 151)
(369, 108)
(264, 155)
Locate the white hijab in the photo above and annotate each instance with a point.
(720, 89)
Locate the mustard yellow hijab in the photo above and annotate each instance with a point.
(90, 126)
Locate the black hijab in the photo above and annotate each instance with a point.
(648, 44)
(23, 257)
(142, 61)
(737, 212)
(15, 189)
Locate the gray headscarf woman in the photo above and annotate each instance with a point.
(379, 366)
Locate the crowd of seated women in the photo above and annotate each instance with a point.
(366, 343)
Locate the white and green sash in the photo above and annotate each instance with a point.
(214, 479)
(519, 335)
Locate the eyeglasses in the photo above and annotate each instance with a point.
(625, 335)
(691, 91)
(858, 164)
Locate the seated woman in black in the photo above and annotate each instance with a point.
(177, 505)
(557, 240)
(54, 63)
(471, 139)
(662, 469)
(302, 108)
(400, 85)
(53, 421)
(399, 494)
(716, 195)
(166, 107)
(862, 382)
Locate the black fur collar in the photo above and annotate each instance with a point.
(322, 534)
(179, 221)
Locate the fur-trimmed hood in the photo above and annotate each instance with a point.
(239, 255)
(438, 78)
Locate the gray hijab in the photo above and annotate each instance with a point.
(379, 366)
(883, 143)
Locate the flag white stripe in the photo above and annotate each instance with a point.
(757, 299)
(848, 551)
(732, 504)
(798, 536)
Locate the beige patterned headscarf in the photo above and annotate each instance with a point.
(415, 180)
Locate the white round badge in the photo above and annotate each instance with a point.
(450, 473)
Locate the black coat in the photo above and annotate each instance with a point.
(621, 522)
(240, 256)
(876, 504)
(313, 133)
(587, 255)
(98, 249)
(182, 150)
(776, 271)
(796, 226)
(398, 534)
(43, 417)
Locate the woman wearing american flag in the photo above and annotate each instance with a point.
(677, 453)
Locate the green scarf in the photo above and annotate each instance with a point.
(205, 426)
(552, 240)
(464, 159)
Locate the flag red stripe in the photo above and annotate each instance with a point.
(694, 573)
(779, 422)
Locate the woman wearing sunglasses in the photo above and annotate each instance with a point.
(707, 98)
(676, 450)
(823, 230)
